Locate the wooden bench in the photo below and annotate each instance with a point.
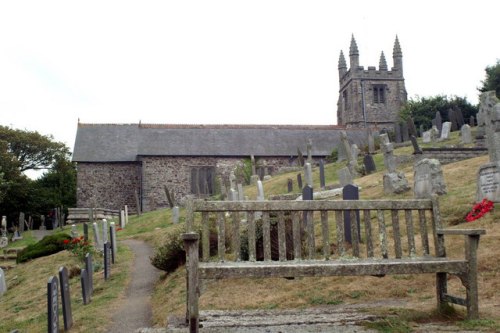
(289, 247)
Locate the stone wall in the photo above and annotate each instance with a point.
(450, 155)
(107, 185)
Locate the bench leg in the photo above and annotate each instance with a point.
(441, 289)
(472, 297)
(192, 258)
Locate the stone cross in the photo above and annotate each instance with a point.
(308, 174)
(388, 150)
(309, 151)
(465, 133)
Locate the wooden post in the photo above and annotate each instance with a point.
(472, 297)
(191, 240)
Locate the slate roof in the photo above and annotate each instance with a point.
(126, 142)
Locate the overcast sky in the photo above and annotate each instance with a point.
(224, 62)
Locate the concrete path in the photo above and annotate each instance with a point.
(135, 311)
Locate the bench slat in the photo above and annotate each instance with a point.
(281, 236)
(216, 270)
(339, 223)
(310, 205)
(382, 234)
(251, 236)
(325, 230)
(221, 235)
(396, 234)
(410, 233)
(205, 236)
(266, 235)
(297, 242)
(368, 233)
(354, 232)
(423, 232)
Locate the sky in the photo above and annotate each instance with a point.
(224, 62)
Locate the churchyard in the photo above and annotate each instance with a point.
(404, 300)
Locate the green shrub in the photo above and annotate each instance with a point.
(171, 254)
(47, 246)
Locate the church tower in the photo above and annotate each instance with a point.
(370, 97)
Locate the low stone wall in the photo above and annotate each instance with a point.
(450, 155)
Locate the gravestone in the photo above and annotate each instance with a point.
(241, 194)
(107, 260)
(123, 222)
(428, 179)
(114, 245)
(308, 174)
(175, 215)
(4, 241)
(74, 231)
(369, 164)
(233, 195)
(89, 267)
(416, 148)
(42, 223)
(426, 137)
(352, 163)
(254, 168)
(412, 129)
(445, 131)
(84, 281)
(125, 211)
(65, 298)
(299, 180)
(260, 191)
(397, 129)
(53, 305)
(97, 239)
(341, 153)
(21, 222)
(322, 182)
(350, 192)
(307, 193)
(460, 118)
(85, 231)
(488, 183)
(300, 157)
(3, 285)
(421, 132)
(465, 133)
(345, 176)
(290, 185)
(309, 151)
(434, 133)
(104, 230)
(394, 181)
(355, 151)
(472, 121)
(232, 180)
(452, 118)
(371, 143)
(405, 135)
(439, 121)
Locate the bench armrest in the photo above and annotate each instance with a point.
(465, 232)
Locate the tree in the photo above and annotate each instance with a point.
(492, 80)
(31, 150)
(423, 109)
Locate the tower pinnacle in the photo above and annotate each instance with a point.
(382, 64)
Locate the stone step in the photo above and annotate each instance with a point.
(13, 250)
(8, 256)
(6, 265)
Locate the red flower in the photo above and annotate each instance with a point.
(479, 209)
(66, 241)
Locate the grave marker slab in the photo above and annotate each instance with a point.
(89, 267)
(97, 239)
(104, 230)
(371, 143)
(122, 219)
(175, 215)
(307, 193)
(488, 182)
(290, 185)
(322, 182)
(350, 192)
(85, 231)
(112, 237)
(405, 135)
(439, 121)
(125, 209)
(412, 129)
(74, 231)
(308, 174)
(107, 260)
(369, 164)
(84, 281)
(65, 298)
(53, 305)
(3, 285)
(428, 179)
(21, 222)
(241, 194)
(416, 148)
(465, 133)
(445, 131)
(299, 180)
(260, 191)
(345, 177)
(426, 137)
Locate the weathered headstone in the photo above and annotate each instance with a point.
(125, 210)
(345, 176)
(74, 231)
(97, 239)
(260, 191)
(488, 183)
(369, 164)
(460, 117)
(112, 237)
(352, 163)
(439, 121)
(426, 137)
(428, 179)
(445, 131)
(254, 168)
(421, 132)
(241, 193)
(308, 174)
(397, 131)
(104, 230)
(232, 180)
(290, 185)
(65, 298)
(175, 215)
(307, 193)
(299, 180)
(322, 181)
(85, 231)
(89, 267)
(21, 222)
(53, 305)
(123, 222)
(394, 181)
(3, 284)
(4, 241)
(416, 148)
(233, 195)
(355, 151)
(465, 133)
(84, 280)
(371, 143)
(350, 192)
(434, 133)
(107, 260)
(452, 118)
(404, 132)
(341, 153)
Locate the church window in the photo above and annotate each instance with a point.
(378, 93)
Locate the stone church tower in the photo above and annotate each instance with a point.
(370, 97)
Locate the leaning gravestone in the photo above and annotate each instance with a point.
(352, 162)
(289, 185)
(488, 177)
(412, 129)
(3, 285)
(65, 298)
(355, 151)
(439, 121)
(345, 177)
(341, 153)
(453, 120)
(445, 132)
(428, 179)
(466, 134)
(53, 305)
(84, 280)
(350, 192)
(369, 164)
(416, 147)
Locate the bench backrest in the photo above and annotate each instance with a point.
(294, 230)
